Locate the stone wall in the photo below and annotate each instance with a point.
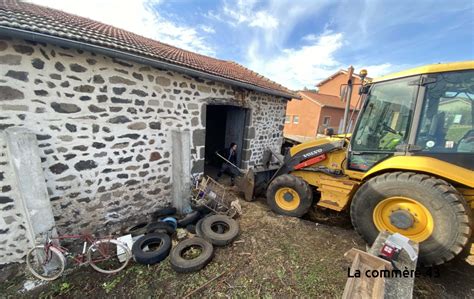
(103, 126)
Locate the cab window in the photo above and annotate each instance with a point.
(386, 117)
(446, 123)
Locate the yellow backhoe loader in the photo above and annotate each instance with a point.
(407, 167)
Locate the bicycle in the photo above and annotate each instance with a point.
(105, 255)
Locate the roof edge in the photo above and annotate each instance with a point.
(314, 101)
(37, 36)
(428, 69)
(311, 100)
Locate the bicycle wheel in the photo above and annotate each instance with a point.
(45, 263)
(108, 255)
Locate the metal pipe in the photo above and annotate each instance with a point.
(240, 170)
(41, 37)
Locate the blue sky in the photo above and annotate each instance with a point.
(298, 43)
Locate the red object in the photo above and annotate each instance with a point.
(311, 161)
(389, 252)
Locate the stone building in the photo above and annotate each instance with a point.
(99, 125)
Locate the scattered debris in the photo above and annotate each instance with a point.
(32, 284)
(214, 197)
(181, 234)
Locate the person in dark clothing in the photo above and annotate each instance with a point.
(231, 155)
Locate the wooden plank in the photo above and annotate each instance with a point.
(349, 288)
(379, 287)
(364, 286)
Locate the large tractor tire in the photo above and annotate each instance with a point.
(289, 195)
(424, 208)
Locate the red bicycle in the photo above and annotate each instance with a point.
(106, 255)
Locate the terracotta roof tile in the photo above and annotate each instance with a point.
(324, 99)
(35, 18)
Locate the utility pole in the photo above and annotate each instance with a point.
(350, 71)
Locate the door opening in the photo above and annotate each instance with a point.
(224, 124)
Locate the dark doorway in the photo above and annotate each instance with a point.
(224, 124)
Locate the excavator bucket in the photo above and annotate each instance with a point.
(246, 184)
(255, 181)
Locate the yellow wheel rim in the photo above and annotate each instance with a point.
(287, 199)
(405, 216)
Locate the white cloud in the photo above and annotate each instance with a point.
(137, 16)
(244, 12)
(300, 67)
(264, 20)
(305, 66)
(208, 29)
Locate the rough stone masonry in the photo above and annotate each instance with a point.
(103, 128)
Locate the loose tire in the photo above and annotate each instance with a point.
(108, 256)
(289, 195)
(154, 256)
(160, 227)
(198, 229)
(190, 218)
(220, 230)
(426, 209)
(163, 212)
(137, 229)
(191, 228)
(182, 264)
(46, 265)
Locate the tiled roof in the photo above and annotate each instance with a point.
(52, 22)
(324, 100)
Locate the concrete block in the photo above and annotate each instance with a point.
(25, 159)
(181, 169)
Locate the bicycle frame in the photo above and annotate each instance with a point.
(79, 258)
(52, 257)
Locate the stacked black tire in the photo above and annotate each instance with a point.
(156, 243)
(218, 230)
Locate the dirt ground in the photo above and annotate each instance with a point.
(274, 256)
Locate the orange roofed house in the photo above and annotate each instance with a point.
(308, 117)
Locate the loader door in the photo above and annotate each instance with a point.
(384, 124)
(446, 130)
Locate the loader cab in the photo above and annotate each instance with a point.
(422, 114)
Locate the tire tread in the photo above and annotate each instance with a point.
(453, 199)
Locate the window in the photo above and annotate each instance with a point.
(326, 120)
(296, 119)
(287, 119)
(387, 116)
(446, 123)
